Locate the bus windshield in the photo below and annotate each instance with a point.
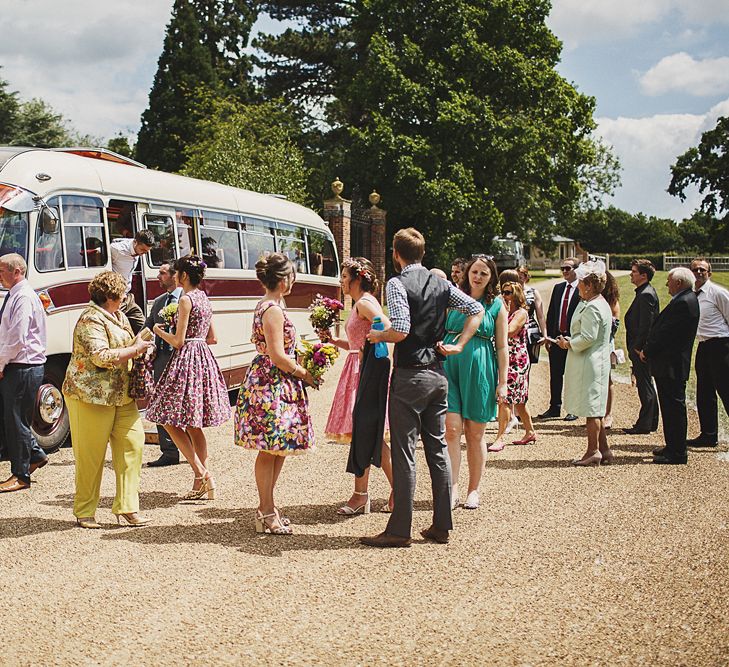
(13, 227)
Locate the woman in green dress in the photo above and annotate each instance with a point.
(476, 376)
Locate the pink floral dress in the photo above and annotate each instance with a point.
(517, 382)
(339, 423)
(192, 390)
(272, 413)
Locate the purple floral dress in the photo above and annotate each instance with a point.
(272, 413)
(191, 390)
(517, 382)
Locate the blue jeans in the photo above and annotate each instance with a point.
(18, 390)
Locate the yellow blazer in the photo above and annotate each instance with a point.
(92, 375)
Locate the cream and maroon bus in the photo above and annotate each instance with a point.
(60, 209)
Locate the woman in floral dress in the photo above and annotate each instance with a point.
(359, 281)
(517, 383)
(191, 393)
(272, 415)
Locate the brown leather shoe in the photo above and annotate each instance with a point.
(435, 534)
(13, 484)
(39, 464)
(386, 540)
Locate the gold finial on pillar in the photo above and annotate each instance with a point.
(374, 198)
(337, 188)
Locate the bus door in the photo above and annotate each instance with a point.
(123, 220)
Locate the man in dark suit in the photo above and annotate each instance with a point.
(639, 319)
(668, 352)
(562, 304)
(166, 276)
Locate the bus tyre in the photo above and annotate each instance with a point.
(51, 425)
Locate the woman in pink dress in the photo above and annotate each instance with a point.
(359, 281)
(191, 393)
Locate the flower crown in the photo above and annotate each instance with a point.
(361, 271)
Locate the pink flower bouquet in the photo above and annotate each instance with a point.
(317, 358)
(324, 312)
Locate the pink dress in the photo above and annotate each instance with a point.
(339, 424)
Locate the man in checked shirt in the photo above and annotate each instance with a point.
(417, 302)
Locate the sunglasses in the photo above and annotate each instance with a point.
(566, 268)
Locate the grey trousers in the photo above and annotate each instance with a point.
(417, 407)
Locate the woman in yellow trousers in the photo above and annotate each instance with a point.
(101, 412)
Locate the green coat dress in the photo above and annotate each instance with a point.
(587, 371)
(473, 374)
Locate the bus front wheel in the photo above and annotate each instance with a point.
(51, 425)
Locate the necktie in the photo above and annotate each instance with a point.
(563, 314)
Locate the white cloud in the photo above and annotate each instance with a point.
(91, 61)
(581, 21)
(680, 72)
(647, 147)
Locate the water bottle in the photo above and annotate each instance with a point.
(380, 348)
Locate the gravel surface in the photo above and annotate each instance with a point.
(619, 565)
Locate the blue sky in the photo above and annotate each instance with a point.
(659, 70)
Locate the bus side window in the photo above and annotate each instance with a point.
(48, 244)
(185, 225)
(122, 218)
(163, 250)
(258, 240)
(290, 242)
(219, 240)
(83, 231)
(322, 257)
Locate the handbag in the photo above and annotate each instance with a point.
(141, 378)
(533, 338)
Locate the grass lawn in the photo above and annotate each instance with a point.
(659, 284)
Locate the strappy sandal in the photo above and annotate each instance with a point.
(346, 510)
(264, 524)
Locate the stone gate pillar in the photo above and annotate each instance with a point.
(378, 241)
(338, 215)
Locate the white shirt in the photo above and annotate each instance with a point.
(123, 259)
(713, 311)
(23, 327)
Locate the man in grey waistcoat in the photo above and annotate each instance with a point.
(166, 276)
(417, 302)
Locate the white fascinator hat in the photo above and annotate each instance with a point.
(591, 267)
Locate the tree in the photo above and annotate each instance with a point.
(706, 166)
(249, 146)
(452, 109)
(599, 175)
(120, 145)
(8, 112)
(202, 49)
(39, 125)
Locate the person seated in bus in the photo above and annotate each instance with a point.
(94, 251)
(48, 251)
(124, 256)
(212, 255)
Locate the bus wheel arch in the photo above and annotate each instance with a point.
(50, 424)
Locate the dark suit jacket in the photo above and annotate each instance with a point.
(555, 306)
(640, 316)
(669, 344)
(163, 352)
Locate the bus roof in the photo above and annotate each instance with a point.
(84, 171)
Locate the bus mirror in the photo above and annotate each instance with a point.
(23, 202)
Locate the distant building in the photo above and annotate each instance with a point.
(551, 259)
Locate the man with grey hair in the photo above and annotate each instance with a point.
(22, 361)
(668, 352)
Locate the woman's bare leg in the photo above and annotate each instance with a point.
(454, 428)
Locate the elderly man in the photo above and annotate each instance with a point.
(712, 354)
(562, 304)
(639, 319)
(124, 256)
(22, 359)
(668, 352)
(166, 276)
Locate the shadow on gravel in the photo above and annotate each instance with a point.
(148, 500)
(32, 525)
(505, 464)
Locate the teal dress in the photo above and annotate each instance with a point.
(473, 374)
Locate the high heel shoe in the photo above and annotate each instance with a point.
(592, 460)
(205, 488)
(87, 522)
(364, 508)
(263, 525)
(496, 446)
(132, 519)
(526, 440)
(210, 484)
(472, 501)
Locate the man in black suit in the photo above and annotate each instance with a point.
(166, 276)
(639, 319)
(668, 352)
(562, 304)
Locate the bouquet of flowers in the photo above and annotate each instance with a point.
(316, 358)
(168, 314)
(324, 312)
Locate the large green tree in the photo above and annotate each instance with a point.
(8, 112)
(37, 124)
(203, 48)
(452, 109)
(249, 146)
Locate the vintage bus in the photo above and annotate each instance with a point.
(60, 209)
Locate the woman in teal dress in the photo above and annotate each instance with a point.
(476, 376)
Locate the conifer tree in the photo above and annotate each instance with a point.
(8, 112)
